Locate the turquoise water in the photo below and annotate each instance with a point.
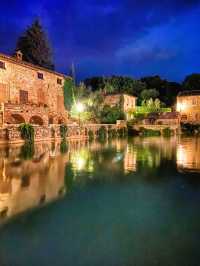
(121, 203)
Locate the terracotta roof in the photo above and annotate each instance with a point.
(189, 93)
(169, 115)
(26, 64)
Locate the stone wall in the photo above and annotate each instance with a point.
(189, 108)
(20, 84)
(127, 102)
(11, 133)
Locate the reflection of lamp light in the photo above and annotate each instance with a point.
(80, 163)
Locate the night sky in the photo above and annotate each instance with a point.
(127, 37)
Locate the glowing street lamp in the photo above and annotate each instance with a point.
(79, 108)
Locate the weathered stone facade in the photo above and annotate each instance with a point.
(125, 101)
(30, 91)
(188, 104)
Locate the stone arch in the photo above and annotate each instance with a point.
(51, 120)
(61, 121)
(17, 119)
(37, 120)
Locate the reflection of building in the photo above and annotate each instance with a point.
(188, 104)
(188, 154)
(28, 184)
(125, 101)
(30, 93)
(130, 159)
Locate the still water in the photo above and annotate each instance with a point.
(122, 203)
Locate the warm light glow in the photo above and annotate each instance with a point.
(181, 107)
(80, 107)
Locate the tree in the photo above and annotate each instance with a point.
(110, 115)
(147, 94)
(35, 47)
(192, 82)
(68, 92)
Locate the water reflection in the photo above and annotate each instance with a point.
(188, 155)
(31, 176)
(27, 183)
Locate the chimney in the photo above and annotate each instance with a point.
(19, 55)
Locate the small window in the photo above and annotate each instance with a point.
(40, 75)
(2, 65)
(59, 81)
(23, 96)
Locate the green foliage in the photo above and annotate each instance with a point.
(102, 133)
(109, 115)
(63, 146)
(148, 94)
(167, 90)
(167, 132)
(63, 131)
(27, 132)
(90, 135)
(192, 82)
(68, 93)
(35, 47)
(116, 84)
(149, 132)
(27, 151)
(190, 129)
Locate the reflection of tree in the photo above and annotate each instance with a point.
(27, 151)
(63, 146)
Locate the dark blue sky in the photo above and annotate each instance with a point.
(128, 37)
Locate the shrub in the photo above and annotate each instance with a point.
(27, 132)
(190, 129)
(63, 131)
(102, 133)
(149, 132)
(63, 146)
(167, 132)
(27, 151)
(90, 135)
(110, 115)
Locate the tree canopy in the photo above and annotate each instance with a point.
(35, 46)
(192, 82)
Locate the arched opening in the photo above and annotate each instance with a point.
(36, 120)
(50, 120)
(60, 121)
(16, 119)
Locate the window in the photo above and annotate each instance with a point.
(2, 65)
(40, 75)
(23, 97)
(59, 81)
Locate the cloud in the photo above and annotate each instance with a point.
(109, 35)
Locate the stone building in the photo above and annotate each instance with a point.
(188, 105)
(125, 101)
(29, 93)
